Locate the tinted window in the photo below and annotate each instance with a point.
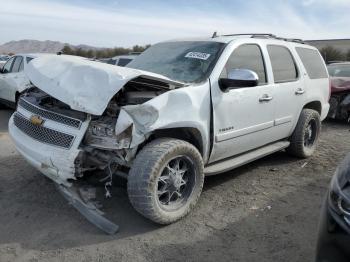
(124, 61)
(17, 64)
(283, 66)
(247, 57)
(185, 61)
(21, 66)
(29, 59)
(312, 62)
(7, 67)
(339, 70)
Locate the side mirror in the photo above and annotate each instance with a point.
(238, 78)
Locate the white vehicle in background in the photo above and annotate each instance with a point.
(13, 80)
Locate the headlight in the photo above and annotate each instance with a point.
(102, 130)
(101, 134)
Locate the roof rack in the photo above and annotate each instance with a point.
(263, 35)
(254, 35)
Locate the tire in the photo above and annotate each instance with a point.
(2, 106)
(303, 142)
(150, 181)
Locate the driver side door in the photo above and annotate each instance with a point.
(243, 118)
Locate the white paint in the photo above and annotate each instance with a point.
(84, 85)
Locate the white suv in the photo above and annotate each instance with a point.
(181, 110)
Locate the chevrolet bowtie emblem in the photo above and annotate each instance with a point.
(36, 120)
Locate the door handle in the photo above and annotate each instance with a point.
(299, 91)
(265, 98)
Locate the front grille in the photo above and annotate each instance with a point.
(49, 115)
(42, 134)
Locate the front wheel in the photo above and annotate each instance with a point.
(166, 180)
(305, 136)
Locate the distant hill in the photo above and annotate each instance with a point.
(36, 46)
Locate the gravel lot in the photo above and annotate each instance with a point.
(265, 211)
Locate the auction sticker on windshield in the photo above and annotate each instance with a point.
(198, 55)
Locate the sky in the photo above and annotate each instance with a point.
(111, 23)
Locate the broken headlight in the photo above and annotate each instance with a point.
(101, 134)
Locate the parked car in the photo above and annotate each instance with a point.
(13, 80)
(179, 111)
(121, 60)
(340, 91)
(334, 227)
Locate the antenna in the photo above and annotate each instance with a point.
(215, 34)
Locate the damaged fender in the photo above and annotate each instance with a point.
(184, 107)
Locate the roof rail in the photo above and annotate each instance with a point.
(253, 35)
(264, 35)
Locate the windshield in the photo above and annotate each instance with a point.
(339, 70)
(180, 61)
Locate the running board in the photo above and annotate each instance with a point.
(226, 165)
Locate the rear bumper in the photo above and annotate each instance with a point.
(56, 163)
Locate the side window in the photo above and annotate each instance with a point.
(247, 56)
(312, 62)
(17, 64)
(124, 61)
(283, 65)
(21, 67)
(7, 67)
(28, 59)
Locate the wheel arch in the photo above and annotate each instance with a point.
(189, 134)
(315, 105)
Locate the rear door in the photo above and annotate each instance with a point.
(289, 89)
(243, 119)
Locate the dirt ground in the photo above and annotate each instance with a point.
(265, 211)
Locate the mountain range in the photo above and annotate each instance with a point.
(36, 46)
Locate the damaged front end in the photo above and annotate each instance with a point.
(75, 148)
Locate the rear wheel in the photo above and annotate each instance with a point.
(304, 139)
(166, 180)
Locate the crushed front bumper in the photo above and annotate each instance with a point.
(55, 163)
(39, 144)
(58, 164)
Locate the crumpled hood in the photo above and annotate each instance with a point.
(84, 85)
(340, 84)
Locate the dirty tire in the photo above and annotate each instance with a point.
(298, 139)
(150, 164)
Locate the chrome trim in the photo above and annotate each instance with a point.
(79, 122)
(70, 138)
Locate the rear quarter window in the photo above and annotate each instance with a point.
(312, 62)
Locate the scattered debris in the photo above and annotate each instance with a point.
(303, 165)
